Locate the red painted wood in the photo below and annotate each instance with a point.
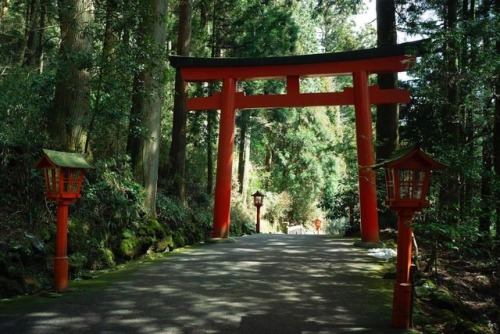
(361, 96)
(402, 287)
(257, 226)
(375, 65)
(404, 247)
(293, 99)
(222, 204)
(61, 257)
(366, 159)
(293, 85)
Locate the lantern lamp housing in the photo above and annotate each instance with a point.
(258, 199)
(407, 175)
(63, 173)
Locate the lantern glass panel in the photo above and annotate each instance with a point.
(411, 183)
(71, 180)
(257, 200)
(389, 180)
(52, 180)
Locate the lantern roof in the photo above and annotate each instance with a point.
(258, 193)
(412, 157)
(62, 159)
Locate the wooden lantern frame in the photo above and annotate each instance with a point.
(258, 198)
(407, 176)
(63, 173)
(63, 182)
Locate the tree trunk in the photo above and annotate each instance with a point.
(387, 124)
(148, 98)
(496, 135)
(67, 122)
(35, 27)
(178, 146)
(108, 48)
(136, 136)
(449, 196)
(244, 155)
(485, 216)
(243, 151)
(211, 120)
(4, 8)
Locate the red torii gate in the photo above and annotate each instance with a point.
(360, 64)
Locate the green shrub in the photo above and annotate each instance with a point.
(241, 222)
(187, 225)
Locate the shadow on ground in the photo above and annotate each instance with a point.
(259, 284)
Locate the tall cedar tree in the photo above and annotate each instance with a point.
(35, 27)
(178, 147)
(67, 121)
(147, 101)
(387, 123)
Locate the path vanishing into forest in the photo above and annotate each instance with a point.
(258, 284)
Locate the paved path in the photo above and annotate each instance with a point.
(259, 284)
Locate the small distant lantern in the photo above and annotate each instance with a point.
(407, 175)
(317, 224)
(63, 181)
(258, 201)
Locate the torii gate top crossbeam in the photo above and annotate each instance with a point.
(395, 58)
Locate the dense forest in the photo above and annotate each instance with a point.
(92, 76)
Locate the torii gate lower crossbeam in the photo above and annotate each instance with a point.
(360, 64)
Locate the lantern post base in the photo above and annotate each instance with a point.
(60, 273)
(401, 307)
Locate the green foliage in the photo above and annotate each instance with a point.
(187, 225)
(241, 222)
(278, 207)
(111, 201)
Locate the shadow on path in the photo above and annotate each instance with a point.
(259, 284)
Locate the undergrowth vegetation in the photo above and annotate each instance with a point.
(107, 225)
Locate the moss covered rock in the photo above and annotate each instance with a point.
(129, 247)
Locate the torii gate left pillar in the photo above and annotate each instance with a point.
(223, 181)
(359, 64)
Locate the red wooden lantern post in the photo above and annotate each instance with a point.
(317, 224)
(258, 201)
(63, 180)
(407, 176)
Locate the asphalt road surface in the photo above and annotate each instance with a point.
(272, 284)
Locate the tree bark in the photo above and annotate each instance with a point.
(136, 136)
(147, 100)
(243, 147)
(4, 8)
(108, 47)
(485, 216)
(35, 27)
(178, 146)
(211, 120)
(496, 135)
(67, 121)
(449, 196)
(387, 124)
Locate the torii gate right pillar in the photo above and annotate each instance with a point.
(366, 158)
